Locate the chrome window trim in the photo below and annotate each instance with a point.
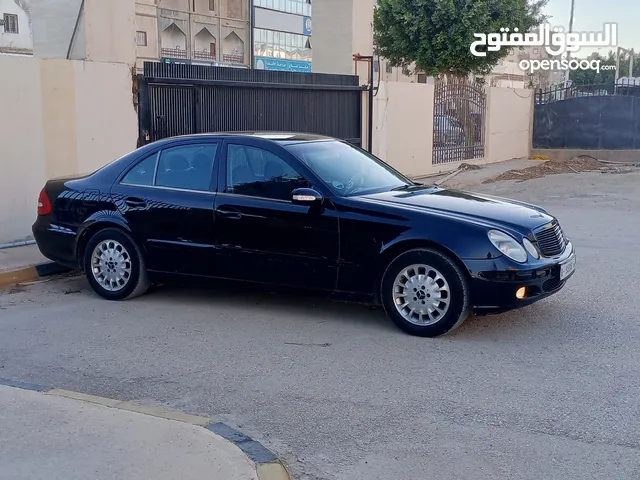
(175, 189)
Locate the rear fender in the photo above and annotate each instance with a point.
(96, 222)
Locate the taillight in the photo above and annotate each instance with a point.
(44, 204)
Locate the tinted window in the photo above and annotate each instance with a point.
(258, 173)
(347, 169)
(142, 173)
(187, 166)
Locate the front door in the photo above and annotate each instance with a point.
(261, 235)
(167, 201)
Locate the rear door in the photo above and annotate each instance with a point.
(167, 200)
(261, 234)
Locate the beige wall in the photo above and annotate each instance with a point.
(333, 37)
(508, 123)
(147, 21)
(23, 149)
(105, 29)
(67, 117)
(110, 31)
(403, 126)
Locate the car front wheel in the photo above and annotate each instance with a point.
(114, 265)
(425, 293)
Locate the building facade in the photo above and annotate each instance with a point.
(282, 35)
(16, 35)
(208, 32)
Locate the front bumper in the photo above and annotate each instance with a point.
(494, 283)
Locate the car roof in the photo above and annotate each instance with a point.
(284, 138)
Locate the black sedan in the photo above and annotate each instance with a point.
(302, 211)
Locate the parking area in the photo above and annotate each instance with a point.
(548, 392)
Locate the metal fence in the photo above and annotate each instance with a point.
(179, 99)
(588, 117)
(459, 121)
(556, 93)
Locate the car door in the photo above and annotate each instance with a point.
(167, 200)
(260, 233)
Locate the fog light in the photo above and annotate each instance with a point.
(521, 292)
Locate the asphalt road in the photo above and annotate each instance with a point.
(548, 392)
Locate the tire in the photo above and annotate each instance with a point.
(134, 279)
(451, 285)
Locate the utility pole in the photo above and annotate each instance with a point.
(631, 54)
(566, 74)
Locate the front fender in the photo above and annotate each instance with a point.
(465, 240)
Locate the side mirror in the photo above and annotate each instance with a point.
(306, 196)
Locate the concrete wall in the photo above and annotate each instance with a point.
(403, 126)
(333, 37)
(110, 31)
(105, 29)
(509, 115)
(67, 117)
(53, 22)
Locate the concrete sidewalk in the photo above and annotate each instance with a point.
(50, 436)
(25, 264)
(16, 258)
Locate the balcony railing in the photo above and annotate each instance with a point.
(174, 53)
(232, 58)
(204, 56)
(179, 53)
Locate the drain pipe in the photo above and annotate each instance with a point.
(20, 243)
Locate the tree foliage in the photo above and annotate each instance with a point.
(437, 34)
(590, 77)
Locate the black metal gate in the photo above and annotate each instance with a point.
(181, 99)
(458, 120)
(589, 117)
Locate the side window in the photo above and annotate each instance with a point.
(142, 173)
(255, 172)
(187, 166)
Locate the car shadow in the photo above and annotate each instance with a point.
(314, 307)
(303, 304)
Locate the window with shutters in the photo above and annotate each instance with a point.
(10, 23)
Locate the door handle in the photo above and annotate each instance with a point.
(135, 202)
(230, 214)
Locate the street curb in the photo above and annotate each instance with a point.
(268, 466)
(31, 273)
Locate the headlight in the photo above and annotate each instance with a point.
(530, 247)
(508, 245)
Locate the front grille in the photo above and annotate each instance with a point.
(551, 284)
(550, 238)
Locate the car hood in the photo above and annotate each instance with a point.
(484, 209)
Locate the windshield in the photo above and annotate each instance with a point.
(347, 170)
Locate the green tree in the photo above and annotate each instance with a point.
(436, 34)
(589, 77)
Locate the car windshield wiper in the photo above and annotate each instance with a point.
(407, 186)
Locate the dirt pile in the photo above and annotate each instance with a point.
(551, 167)
(469, 166)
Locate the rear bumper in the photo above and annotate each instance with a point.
(495, 282)
(55, 242)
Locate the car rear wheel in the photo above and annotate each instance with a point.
(425, 293)
(114, 265)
